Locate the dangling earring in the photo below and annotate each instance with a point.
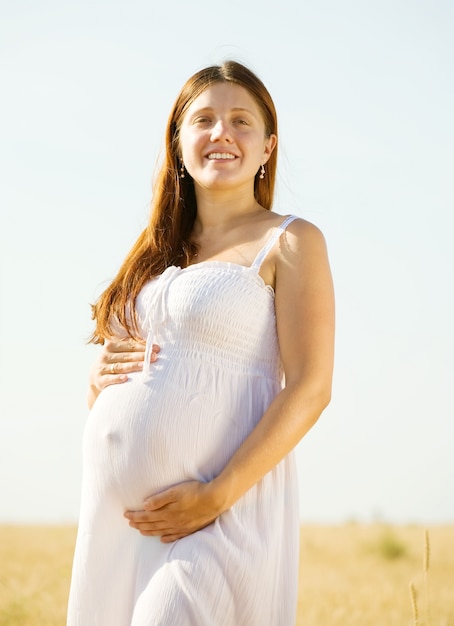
(182, 170)
(262, 171)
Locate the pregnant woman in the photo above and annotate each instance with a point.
(189, 511)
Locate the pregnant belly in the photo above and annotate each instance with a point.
(142, 437)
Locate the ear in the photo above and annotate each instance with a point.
(270, 144)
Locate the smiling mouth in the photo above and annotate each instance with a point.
(221, 156)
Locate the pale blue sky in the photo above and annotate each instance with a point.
(365, 97)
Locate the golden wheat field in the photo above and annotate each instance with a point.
(350, 575)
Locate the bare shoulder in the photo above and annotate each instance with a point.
(301, 242)
(298, 248)
(301, 229)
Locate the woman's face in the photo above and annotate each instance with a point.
(222, 138)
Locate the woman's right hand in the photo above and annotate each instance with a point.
(117, 359)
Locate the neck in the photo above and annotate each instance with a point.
(219, 211)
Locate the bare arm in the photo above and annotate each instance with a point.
(305, 321)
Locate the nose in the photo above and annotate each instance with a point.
(221, 131)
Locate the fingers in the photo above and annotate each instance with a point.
(171, 538)
(128, 345)
(167, 531)
(121, 351)
(157, 521)
(117, 359)
(160, 500)
(124, 356)
(120, 368)
(124, 345)
(140, 520)
(104, 375)
(175, 512)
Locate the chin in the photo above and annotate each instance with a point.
(221, 182)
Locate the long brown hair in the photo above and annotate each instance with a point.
(167, 238)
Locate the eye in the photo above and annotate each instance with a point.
(241, 122)
(202, 119)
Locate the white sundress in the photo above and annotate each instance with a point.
(181, 419)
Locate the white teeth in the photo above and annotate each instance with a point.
(221, 155)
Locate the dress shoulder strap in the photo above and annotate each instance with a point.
(261, 256)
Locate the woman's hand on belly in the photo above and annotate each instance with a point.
(117, 359)
(176, 512)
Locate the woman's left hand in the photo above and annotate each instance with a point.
(176, 512)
